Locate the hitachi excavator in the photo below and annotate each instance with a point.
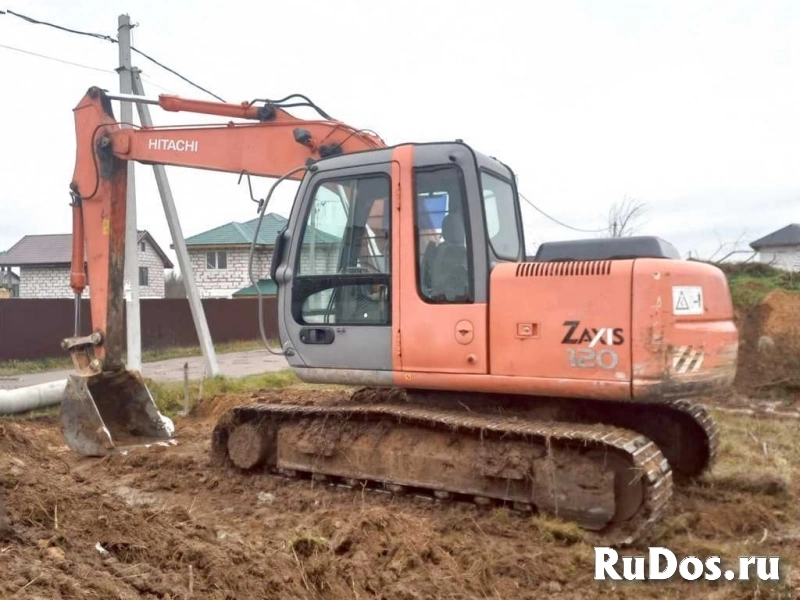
(566, 383)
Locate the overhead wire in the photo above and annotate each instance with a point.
(560, 222)
(99, 36)
(61, 60)
(81, 65)
(108, 38)
(174, 72)
(306, 100)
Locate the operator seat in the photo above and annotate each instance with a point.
(449, 272)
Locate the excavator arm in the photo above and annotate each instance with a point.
(104, 400)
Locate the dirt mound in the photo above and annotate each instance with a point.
(162, 522)
(769, 348)
(211, 409)
(781, 314)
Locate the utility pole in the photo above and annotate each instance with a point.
(133, 320)
(165, 191)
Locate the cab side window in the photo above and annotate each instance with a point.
(343, 270)
(444, 267)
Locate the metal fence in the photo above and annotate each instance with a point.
(31, 328)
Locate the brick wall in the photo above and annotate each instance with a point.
(150, 260)
(222, 283)
(46, 282)
(53, 282)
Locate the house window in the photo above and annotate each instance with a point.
(217, 259)
(144, 279)
(142, 247)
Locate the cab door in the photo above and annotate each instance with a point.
(335, 308)
(443, 283)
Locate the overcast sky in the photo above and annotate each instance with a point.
(690, 107)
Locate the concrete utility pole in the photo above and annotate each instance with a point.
(133, 320)
(198, 315)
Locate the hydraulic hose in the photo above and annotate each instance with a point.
(253, 281)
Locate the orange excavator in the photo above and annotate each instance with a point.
(566, 383)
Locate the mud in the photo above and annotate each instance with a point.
(164, 522)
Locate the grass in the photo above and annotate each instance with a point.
(553, 530)
(747, 291)
(23, 367)
(169, 397)
(751, 282)
(770, 448)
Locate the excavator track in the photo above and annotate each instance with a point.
(610, 480)
(684, 431)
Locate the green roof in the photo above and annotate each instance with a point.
(232, 234)
(267, 286)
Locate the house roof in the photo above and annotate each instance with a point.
(56, 249)
(241, 234)
(267, 286)
(787, 236)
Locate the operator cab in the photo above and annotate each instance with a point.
(422, 223)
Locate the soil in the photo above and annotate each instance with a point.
(164, 522)
(781, 314)
(769, 348)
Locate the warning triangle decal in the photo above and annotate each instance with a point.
(682, 304)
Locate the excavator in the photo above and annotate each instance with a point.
(568, 383)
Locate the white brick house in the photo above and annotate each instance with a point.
(9, 282)
(44, 263)
(780, 248)
(220, 256)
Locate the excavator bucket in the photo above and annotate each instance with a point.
(103, 412)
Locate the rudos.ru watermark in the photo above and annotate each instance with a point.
(661, 563)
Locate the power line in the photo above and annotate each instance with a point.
(82, 66)
(108, 38)
(560, 222)
(66, 62)
(99, 36)
(189, 81)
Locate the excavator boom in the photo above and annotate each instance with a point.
(105, 401)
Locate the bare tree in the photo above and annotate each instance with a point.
(174, 286)
(625, 218)
(731, 248)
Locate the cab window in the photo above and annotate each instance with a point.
(444, 267)
(344, 262)
(501, 216)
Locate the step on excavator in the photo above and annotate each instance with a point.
(567, 383)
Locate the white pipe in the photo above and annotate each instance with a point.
(33, 397)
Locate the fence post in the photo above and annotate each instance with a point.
(186, 388)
